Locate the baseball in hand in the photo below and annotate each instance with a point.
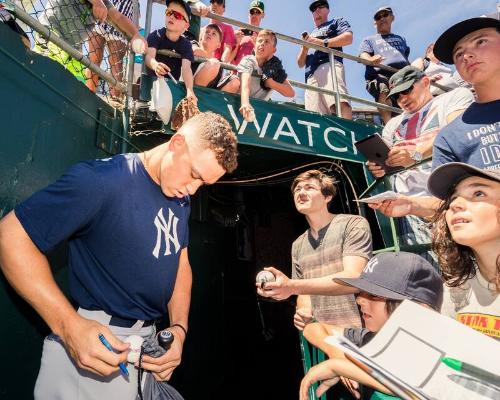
(135, 347)
(138, 46)
(263, 277)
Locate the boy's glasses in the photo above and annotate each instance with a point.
(382, 15)
(177, 15)
(255, 11)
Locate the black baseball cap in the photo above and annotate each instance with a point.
(404, 79)
(223, 2)
(400, 276)
(443, 48)
(382, 9)
(183, 4)
(317, 3)
(446, 177)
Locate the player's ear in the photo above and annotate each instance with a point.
(177, 142)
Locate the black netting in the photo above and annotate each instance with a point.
(74, 22)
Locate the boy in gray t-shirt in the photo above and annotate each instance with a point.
(266, 64)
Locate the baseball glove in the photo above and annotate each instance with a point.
(272, 68)
(184, 110)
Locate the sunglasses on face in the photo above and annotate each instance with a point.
(255, 11)
(318, 7)
(404, 92)
(380, 16)
(177, 15)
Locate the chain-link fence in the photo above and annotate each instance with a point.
(75, 22)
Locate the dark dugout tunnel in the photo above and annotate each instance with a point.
(241, 344)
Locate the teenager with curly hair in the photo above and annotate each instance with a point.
(466, 239)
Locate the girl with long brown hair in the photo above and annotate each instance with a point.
(466, 239)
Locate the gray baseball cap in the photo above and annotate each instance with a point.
(445, 177)
(382, 9)
(400, 276)
(404, 79)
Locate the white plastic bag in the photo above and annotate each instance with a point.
(161, 100)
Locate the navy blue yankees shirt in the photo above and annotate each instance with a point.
(125, 236)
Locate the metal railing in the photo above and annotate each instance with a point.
(127, 87)
(331, 52)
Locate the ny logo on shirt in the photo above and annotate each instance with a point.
(166, 230)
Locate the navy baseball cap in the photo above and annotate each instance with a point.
(444, 46)
(317, 3)
(400, 276)
(446, 177)
(183, 4)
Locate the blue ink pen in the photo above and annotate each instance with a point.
(106, 344)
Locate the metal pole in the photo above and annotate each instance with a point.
(149, 17)
(335, 85)
(147, 28)
(77, 55)
(298, 84)
(131, 54)
(130, 81)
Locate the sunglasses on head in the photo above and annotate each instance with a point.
(255, 11)
(177, 15)
(319, 6)
(382, 15)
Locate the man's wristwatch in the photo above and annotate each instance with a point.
(325, 42)
(417, 156)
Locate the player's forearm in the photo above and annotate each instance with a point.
(29, 273)
(178, 306)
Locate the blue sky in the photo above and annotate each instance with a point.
(419, 21)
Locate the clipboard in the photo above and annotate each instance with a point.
(381, 379)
